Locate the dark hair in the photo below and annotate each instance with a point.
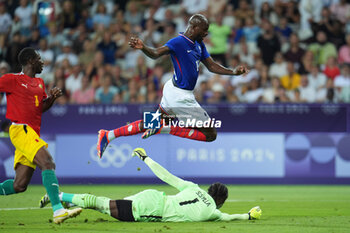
(25, 55)
(218, 191)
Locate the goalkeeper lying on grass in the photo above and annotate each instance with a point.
(191, 204)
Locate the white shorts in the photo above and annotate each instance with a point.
(181, 103)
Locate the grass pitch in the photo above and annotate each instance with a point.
(285, 209)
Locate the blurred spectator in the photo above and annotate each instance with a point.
(69, 17)
(306, 62)
(217, 94)
(106, 93)
(326, 94)
(344, 52)
(229, 17)
(295, 52)
(270, 93)
(282, 96)
(67, 54)
(254, 93)
(155, 11)
(55, 39)
(108, 48)
(245, 53)
(317, 80)
(150, 35)
(47, 56)
(266, 14)
(322, 49)
(331, 69)
(292, 79)
(87, 55)
(13, 50)
(268, 43)
(340, 10)
(343, 79)
(79, 36)
(5, 26)
(101, 17)
(244, 11)
(84, 95)
(109, 6)
(34, 39)
(23, 15)
(193, 7)
(4, 68)
(310, 10)
(133, 14)
(292, 14)
(218, 36)
(279, 67)
(283, 30)
(168, 34)
(307, 92)
(333, 28)
(216, 8)
(237, 32)
(203, 92)
(73, 81)
(251, 31)
(60, 83)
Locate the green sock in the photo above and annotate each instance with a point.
(92, 202)
(51, 184)
(6, 187)
(67, 197)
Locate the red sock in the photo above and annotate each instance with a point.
(129, 129)
(189, 133)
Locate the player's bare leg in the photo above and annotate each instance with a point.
(45, 162)
(23, 176)
(20, 183)
(114, 210)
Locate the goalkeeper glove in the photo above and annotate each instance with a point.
(140, 152)
(255, 213)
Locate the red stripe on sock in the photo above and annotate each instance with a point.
(124, 130)
(184, 133)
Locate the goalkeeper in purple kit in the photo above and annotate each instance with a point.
(191, 204)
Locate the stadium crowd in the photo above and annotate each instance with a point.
(297, 51)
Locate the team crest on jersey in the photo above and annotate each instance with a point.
(41, 86)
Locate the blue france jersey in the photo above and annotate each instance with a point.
(186, 55)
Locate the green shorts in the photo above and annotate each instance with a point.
(148, 205)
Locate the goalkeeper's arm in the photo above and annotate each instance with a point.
(161, 172)
(254, 213)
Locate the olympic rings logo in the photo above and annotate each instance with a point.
(114, 155)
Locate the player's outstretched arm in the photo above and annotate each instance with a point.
(215, 67)
(254, 213)
(54, 93)
(160, 171)
(153, 53)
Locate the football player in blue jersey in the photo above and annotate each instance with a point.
(187, 50)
